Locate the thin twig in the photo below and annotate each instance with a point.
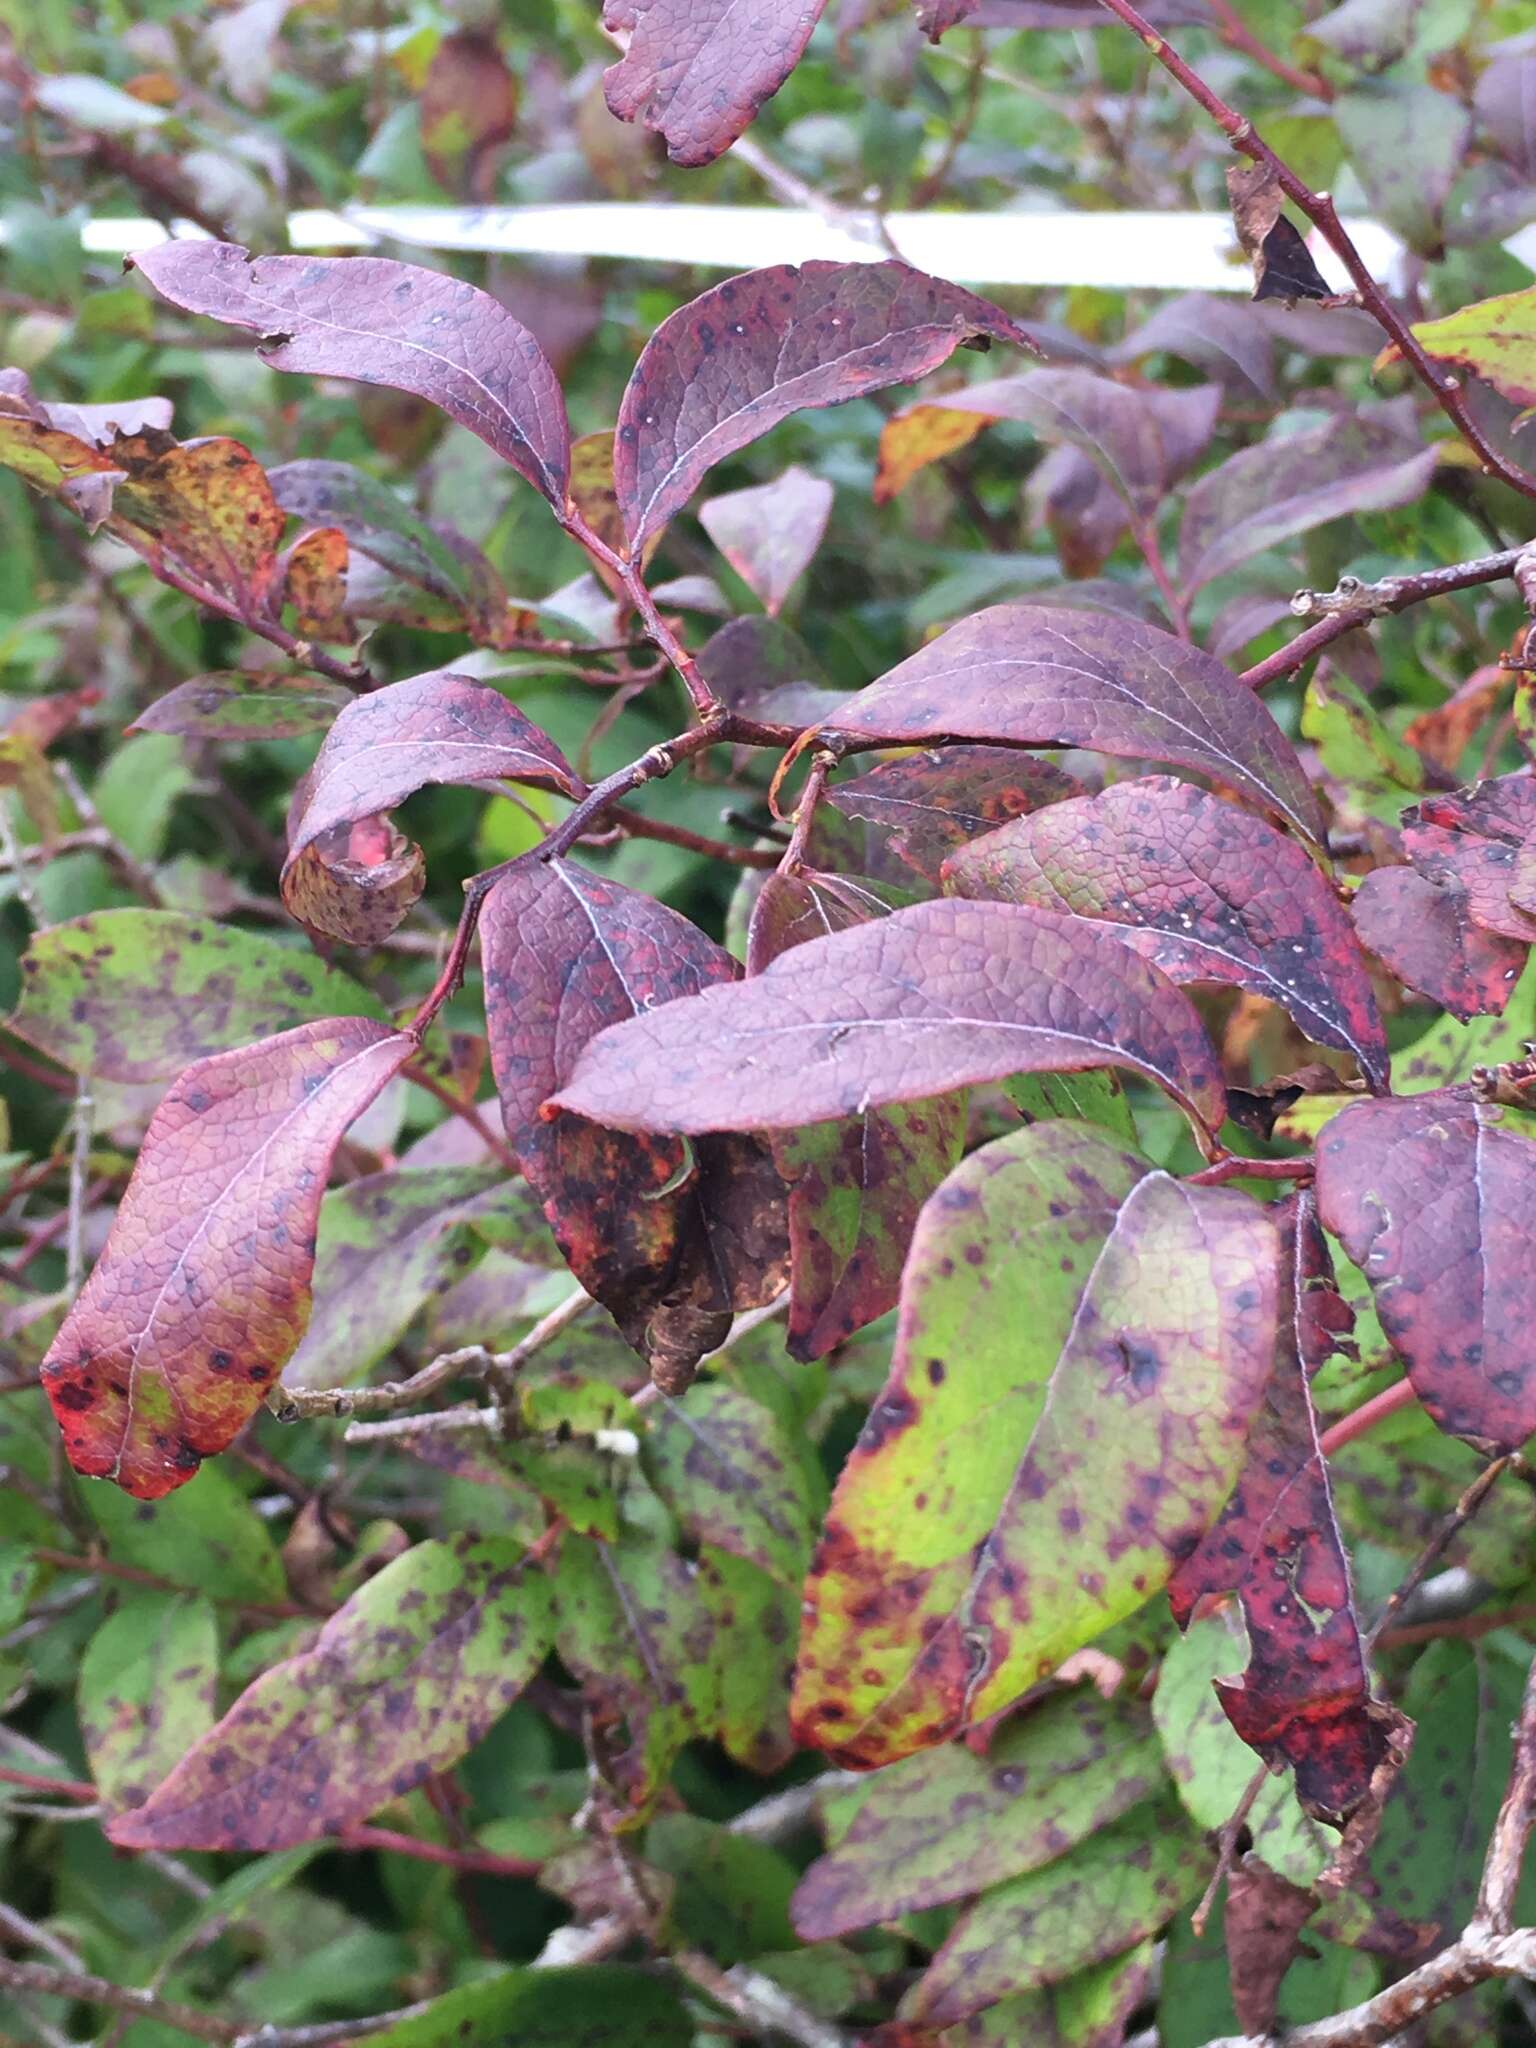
(1366, 1416)
(16, 862)
(79, 1170)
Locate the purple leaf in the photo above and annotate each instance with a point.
(437, 727)
(388, 323)
(737, 360)
(1203, 890)
(698, 70)
(933, 803)
(1039, 677)
(1436, 1203)
(934, 997)
(1420, 928)
(1484, 839)
(770, 533)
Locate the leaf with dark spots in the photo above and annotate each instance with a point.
(635, 1629)
(399, 1684)
(381, 322)
(717, 1459)
(1420, 928)
(735, 361)
(770, 533)
(1142, 442)
(1436, 1203)
(203, 507)
(1483, 839)
(137, 995)
(240, 705)
(949, 1823)
(933, 802)
(696, 71)
(855, 1186)
(1122, 1884)
(312, 578)
(934, 997)
(1082, 1345)
(437, 727)
(148, 1684)
(1285, 486)
(1031, 675)
(356, 882)
(202, 1289)
(464, 590)
(1493, 338)
(1304, 1699)
(755, 1617)
(1204, 891)
(669, 1251)
(392, 1242)
(1265, 1915)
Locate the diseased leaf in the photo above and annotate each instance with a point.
(1448, 1052)
(204, 507)
(770, 533)
(1142, 441)
(697, 73)
(1082, 1345)
(1304, 1698)
(1204, 891)
(380, 322)
(1282, 264)
(948, 1823)
(1264, 1917)
(1369, 769)
(202, 1289)
(735, 361)
(392, 1242)
(668, 1250)
(356, 882)
(931, 998)
(1090, 2009)
(137, 995)
(1420, 928)
(400, 1682)
(1123, 1883)
(718, 1461)
(1035, 676)
(933, 802)
(1485, 840)
(1285, 486)
(437, 727)
(240, 705)
(593, 2005)
(468, 110)
(206, 1537)
(754, 1617)
(1436, 1204)
(148, 1681)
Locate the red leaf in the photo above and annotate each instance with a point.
(202, 1291)
(385, 323)
(1436, 1203)
(1480, 836)
(1304, 1698)
(1420, 928)
(468, 109)
(1203, 890)
(770, 533)
(1039, 677)
(724, 369)
(669, 1252)
(855, 1188)
(437, 727)
(934, 802)
(934, 997)
(698, 70)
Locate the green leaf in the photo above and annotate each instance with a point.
(599, 2006)
(1119, 1886)
(400, 1682)
(146, 1694)
(1495, 339)
(1380, 773)
(206, 1536)
(1447, 1052)
(1097, 1097)
(238, 704)
(1089, 2010)
(756, 1618)
(137, 995)
(732, 1893)
(718, 1460)
(1212, 1766)
(940, 1826)
(1083, 1341)
(18, 1575)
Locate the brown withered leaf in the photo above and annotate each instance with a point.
(1282, 265)
(355, 882)
(670, 1244)
(202, 1290)
(1265, 1914)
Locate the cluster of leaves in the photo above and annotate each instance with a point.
(922, 1252)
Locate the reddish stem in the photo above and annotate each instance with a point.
(59, 1788)
(1235, 1167)
(1366, 1416)
(484, 1862)
(1320, 210)
(466, 1112)
(1237, 35)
